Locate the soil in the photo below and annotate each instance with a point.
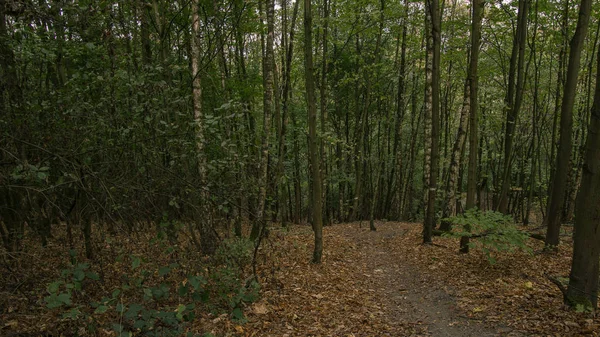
(409, 298)
(369, 284)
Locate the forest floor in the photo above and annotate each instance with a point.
(382, 283)
(385, 283)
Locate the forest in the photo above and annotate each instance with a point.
(299, 168)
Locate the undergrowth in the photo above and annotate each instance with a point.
(139, 285)
(492, 232)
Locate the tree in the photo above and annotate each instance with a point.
(268, 106)
(316, 200)
(583, 281)
(433, 10)
(206, 239)
(513, 100)
(566, 127)
(473, 79)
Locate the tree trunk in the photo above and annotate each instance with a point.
(566, 127)
(317, 223)
(430, 221)
(478, 6)
(455, 160)
(206, 238)
(513, 100)
(285, 105)
(583, 280)
(268, 106)
(428, 101)
(323, 96)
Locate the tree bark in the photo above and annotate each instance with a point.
(583, 280)
(287, 70)
(317, 223)
(207, 244)
(430, 221)
(478, 7)
(566, 127)
(268, 106)
(513, 100)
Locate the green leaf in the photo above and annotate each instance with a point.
(183, 290)
(101, 309)
(53, 287)
(72, 314)
(135, 262)
(133, 310)
(140, 324)
(196, 282)
(162, 271)
(64, 298)
(78, 275)
(93, 276)
(180, 310)
(238, 314)
(56, 301)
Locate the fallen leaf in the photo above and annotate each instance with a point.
(260, 309)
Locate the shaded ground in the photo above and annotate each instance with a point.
(382, 283)
(407, 297)
(386, 283)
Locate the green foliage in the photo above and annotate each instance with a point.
(156, 299)
(494, 231)
(61, 291)
(232, 258)
(235, 253)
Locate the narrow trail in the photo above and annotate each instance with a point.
(408, 299)
(369, 284)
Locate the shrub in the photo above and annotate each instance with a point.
(494, 231)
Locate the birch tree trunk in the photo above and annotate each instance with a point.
(430, 221)
(207, 244)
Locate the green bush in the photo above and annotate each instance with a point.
(493, 231)
(151, 299)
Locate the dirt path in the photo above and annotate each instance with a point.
(408, 299)
(369, 284)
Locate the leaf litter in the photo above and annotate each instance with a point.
(382, 283)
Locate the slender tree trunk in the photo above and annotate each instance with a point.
(400, 112)
(285, 104)
(317, 223)
(478, 6)
(455, 159)
(513, 100)
(415, 127)
(557, 99)
(323, 107)
(268, 107)
(428, 101)
(430, 221)
(207, 244)
(566, 127)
